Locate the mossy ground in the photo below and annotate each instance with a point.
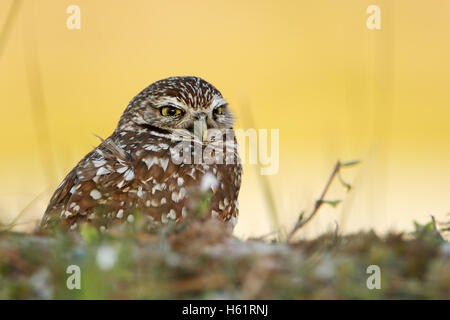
(200, 260)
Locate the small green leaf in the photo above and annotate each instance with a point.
(300, 217)
(344, 183)
(350, 163)
(332, 203)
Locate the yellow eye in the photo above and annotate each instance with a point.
(218, 110)
(169, 111)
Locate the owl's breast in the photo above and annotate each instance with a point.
(175, 179)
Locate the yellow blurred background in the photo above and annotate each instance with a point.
(334, 88)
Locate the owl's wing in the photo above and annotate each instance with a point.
(62, 191)
(89, 186)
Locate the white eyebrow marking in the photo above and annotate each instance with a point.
(170, 100)
(217, 101)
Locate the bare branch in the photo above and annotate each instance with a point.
(302, 222)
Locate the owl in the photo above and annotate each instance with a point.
(172, 155)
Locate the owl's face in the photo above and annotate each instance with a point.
(189, 104)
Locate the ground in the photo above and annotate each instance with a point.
(200, 260)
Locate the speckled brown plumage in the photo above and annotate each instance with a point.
(137, 166)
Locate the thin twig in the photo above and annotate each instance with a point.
(302, 222)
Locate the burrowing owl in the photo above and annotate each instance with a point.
(173, 146)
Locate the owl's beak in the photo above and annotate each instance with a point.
(201, 128)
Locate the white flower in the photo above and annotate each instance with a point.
(41, 283)
(106, 257)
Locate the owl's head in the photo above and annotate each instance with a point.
(170, 104)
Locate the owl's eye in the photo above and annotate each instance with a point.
(169, 111)
(218, 110)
